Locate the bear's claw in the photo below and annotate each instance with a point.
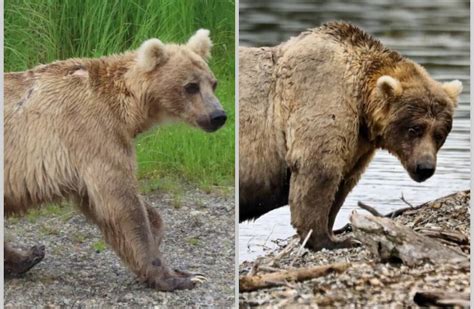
(194, 277)
(177, 282)
(199, 279)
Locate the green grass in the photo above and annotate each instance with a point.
(192, 241)
(41, 31)
(99, 246)
(62, 212)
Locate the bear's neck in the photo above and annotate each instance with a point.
(373, 110)
(108, 77)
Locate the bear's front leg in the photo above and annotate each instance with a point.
(157, 228)
(321, 134)
(163, 277)
(312, 193)
(347, 184)
(134, 231)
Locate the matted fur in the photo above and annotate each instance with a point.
(69, 130)
(312, 116)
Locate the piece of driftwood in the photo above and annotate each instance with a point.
(301, 248)
(289, 247)
(268, 269)
(394, 242)
(255, 268)
(370, 209)
(262, 281)
(348, 227)
(452, 237)
(441, 298)
(401, 211)
(345, 229)
(402, 198)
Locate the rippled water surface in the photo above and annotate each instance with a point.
(433, 33)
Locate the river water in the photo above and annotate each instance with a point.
(435, 34)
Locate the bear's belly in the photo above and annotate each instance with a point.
(258, 196)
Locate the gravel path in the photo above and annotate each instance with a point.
(370, 283)
(79, 271)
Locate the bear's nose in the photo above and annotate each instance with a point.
(218, 118)
(425, 170)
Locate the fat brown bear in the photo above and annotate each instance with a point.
(313, 111)
(69, 130)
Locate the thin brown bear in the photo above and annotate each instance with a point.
(69, 130)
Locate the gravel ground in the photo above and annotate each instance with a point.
(368, 282)
(79, 271)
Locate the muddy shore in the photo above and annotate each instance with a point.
(368, 282)
(80, 271)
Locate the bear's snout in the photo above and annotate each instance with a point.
(213, 121)
(218, 118)
(425, 168)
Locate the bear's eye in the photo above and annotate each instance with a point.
(414, 131)
(439, 138)
(214, 85)
(192, 88)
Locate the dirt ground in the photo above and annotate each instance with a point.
(369, 282)
(80, 271)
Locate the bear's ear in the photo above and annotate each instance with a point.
(150, 54)
(201, 43)
(453, 90)
(389, 86)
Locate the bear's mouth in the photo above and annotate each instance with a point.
(417, 178)
(209, 129)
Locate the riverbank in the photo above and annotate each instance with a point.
(79, 270)
(367, 281)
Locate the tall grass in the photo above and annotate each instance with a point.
(41, 31)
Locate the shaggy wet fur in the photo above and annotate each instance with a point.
(313, 111)
(69, 130)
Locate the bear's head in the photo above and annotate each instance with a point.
(176, 82)
(414, 115)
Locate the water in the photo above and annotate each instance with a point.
(435, 34)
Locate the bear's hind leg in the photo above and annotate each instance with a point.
(18, 262)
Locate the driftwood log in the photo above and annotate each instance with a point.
(348, 227)
(450, 237)
(394, 242)
(268, 280)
